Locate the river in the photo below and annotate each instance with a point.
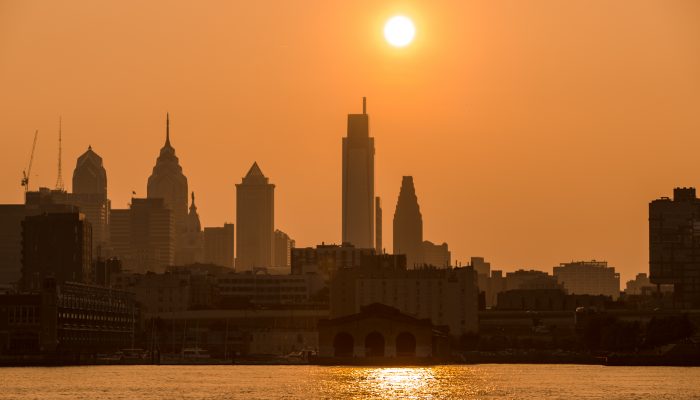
(490, 381)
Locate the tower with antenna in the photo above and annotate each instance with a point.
(59, 179)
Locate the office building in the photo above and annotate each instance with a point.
(255, 221)
(219, 244)
(167, 182)
(56, 246)
(90, 196)
(437, 255)
(326, 259)
(283, 251)
(674, 237)
(588, 277)
(358, 182)
(144, 235)
(408, 225)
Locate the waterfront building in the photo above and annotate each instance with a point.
(379, 331)
(447, 296)
(57, 246)
(674, 225)
(66, 322)
(589, 277)
(219, 244)
(408, 224)
(358, 182)
(255, 220)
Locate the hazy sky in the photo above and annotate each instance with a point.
(536, 131)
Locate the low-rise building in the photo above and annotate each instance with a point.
(589, 277)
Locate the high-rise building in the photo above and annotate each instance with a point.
(674, 240)
(255, 221)
(90, 196)
(378, 226)
(56, 245)
(11, 217)
(283, 250)
(167, 182)
(219, 244)
(358, 181)
(144, 235)
(588, 277)
(408, 224)
(192, 240)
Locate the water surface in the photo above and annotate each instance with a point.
(490, 381)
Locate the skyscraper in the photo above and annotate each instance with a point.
(192, 244)
(283, 249)
(219, 244)
(255, 221)
(408, 224)
(167, 182)
(90, 195)
(358, 181)
(674, 239)
(56, 245)
(144, 235)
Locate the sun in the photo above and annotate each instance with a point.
(399, 31)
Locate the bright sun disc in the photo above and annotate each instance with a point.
(399, 31)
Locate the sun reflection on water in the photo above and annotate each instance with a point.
(393, 382)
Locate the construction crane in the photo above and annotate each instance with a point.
(27, 172)
(59, 179)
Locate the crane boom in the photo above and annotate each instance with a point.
(27, 172)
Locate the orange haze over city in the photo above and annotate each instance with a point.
(536, 132)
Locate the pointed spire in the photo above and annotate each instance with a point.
(192, 205)
(167, 129)
(255, 171)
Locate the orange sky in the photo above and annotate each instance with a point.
(537, 131)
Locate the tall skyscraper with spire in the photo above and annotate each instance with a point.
(255, 221)
(169, 183)
(90, 195)
(408, 224)
(358, 181)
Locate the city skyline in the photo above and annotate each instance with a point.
(585, 178)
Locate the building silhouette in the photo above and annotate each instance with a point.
(326, 259)
(255, 221)
(90, 196)
(167, 182)
(447, 296)
(143, 236)
(219, 245)
(437, 255)
(283, 250)
(192, 239)
(56, 245)
(589, 277)
(408, 224)
(674, 241)
(358, 181)
(378, 225)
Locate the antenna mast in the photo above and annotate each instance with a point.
(59, 179)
